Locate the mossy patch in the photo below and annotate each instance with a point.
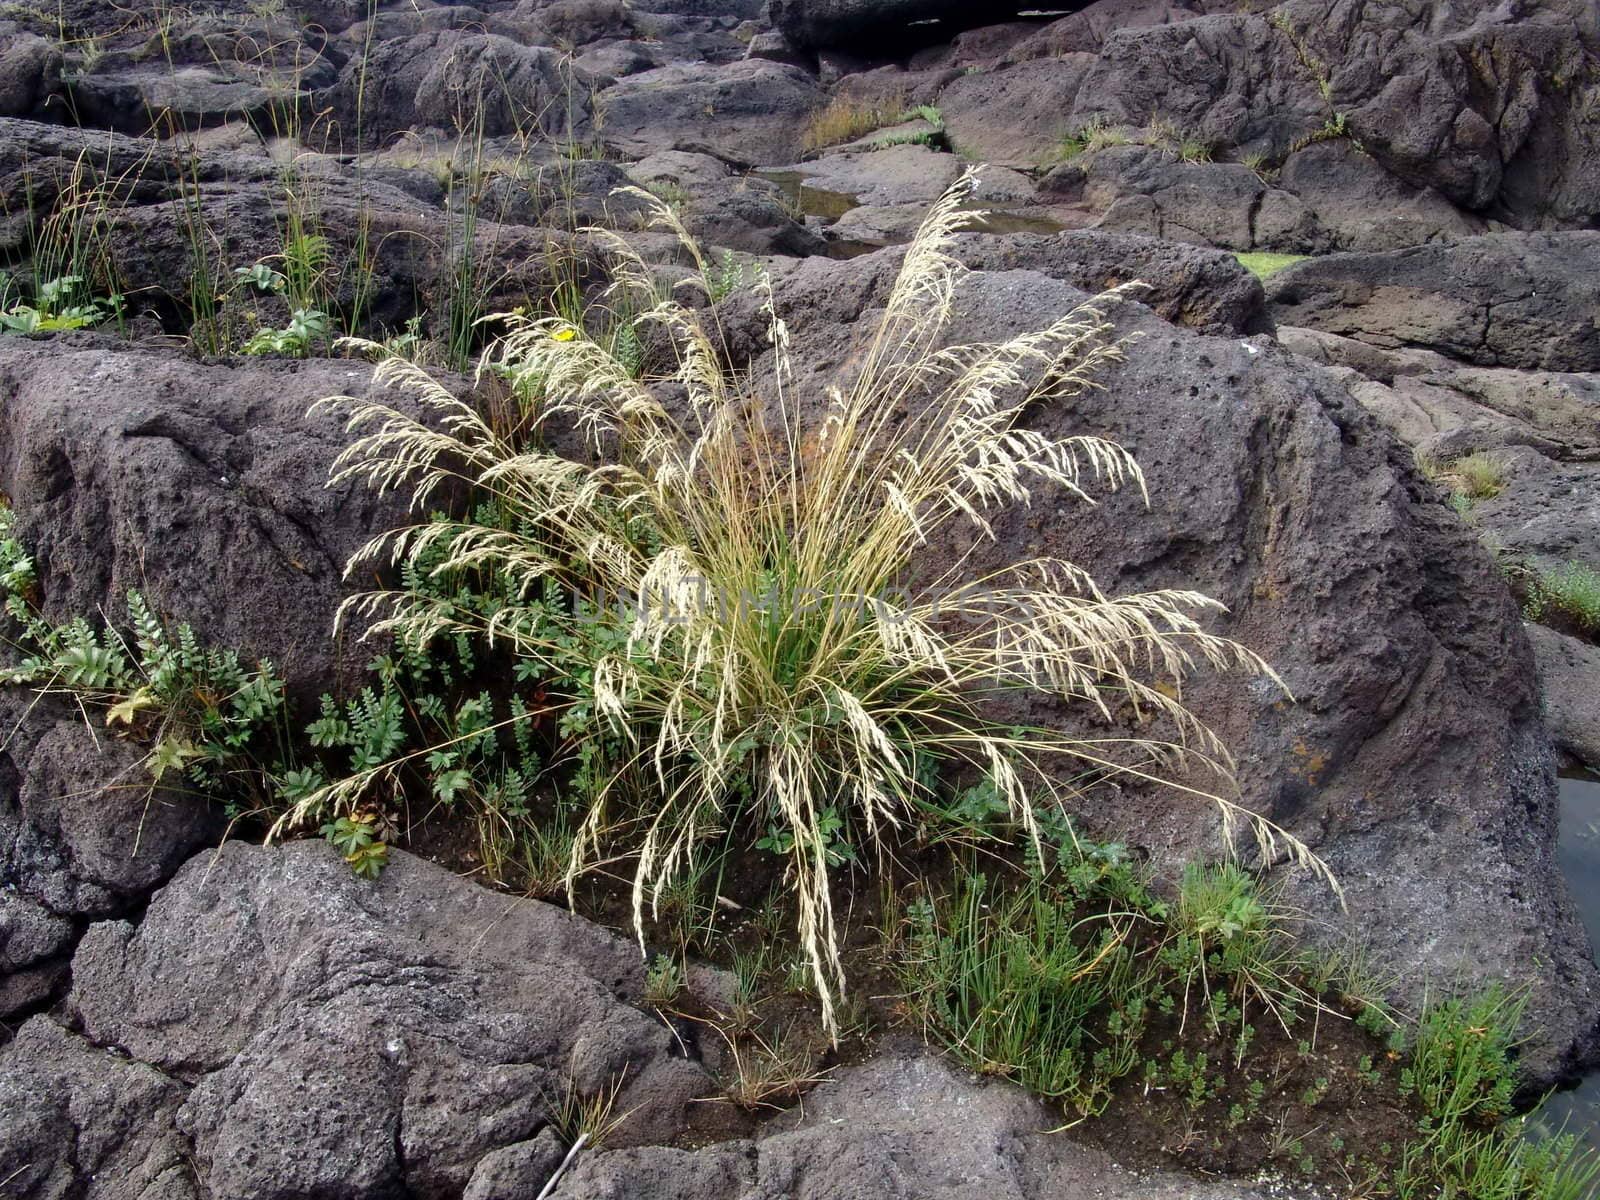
(1261, 264)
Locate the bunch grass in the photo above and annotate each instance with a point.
(845, 118)
(720, 715)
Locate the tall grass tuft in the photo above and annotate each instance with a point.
(844, 118)
(773, 671)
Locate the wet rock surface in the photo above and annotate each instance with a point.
(1509, 300)
(1569, 669)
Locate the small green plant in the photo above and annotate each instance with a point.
(1223, 935)
(355, 838)
(663, 982)
(1367, 1072)
(204, 713)
(1097, 134)
(1477, 476)
(1261, 166)
(779, 839)
(730, 277)
(59, 304)
(1461, 1074)
(935, 137)
(586, 1119)
(306, 328)
(748, 967)
(70, 278)
(845, 118)
(770, 1072)
(1015, 985)
(1570, 592)
(307, 260)
(1316, 1092)
(1335, 127)
(261, 277)
(1460, 1068)
(17, 574)
(438, 723)
(1186, 145)
(671, 193)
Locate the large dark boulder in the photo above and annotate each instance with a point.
(289, 1029)
(1231, 79)
(80, 1120)
(34, 943)
(1016, 116)
(750, 113)
(83, 830)
(1569, 673)
(30, 73)
(1357, 205)
(1491, 105)
(466, 83)
(391, 247)
(1205, 290)
(1088, 27)
(202, 486)
(161, 99)
(1529, 300)
(1448, 407)
(573, 23)
(1151, 191)
(859, 24)
(42, 162)
(275, 1027)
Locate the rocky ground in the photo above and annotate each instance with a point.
(255, 1022)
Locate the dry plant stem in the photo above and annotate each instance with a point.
(572, 1155)
(827, 697)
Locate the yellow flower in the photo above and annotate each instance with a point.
(564, 335)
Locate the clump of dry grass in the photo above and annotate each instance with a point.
(770, 1073)
(814, 705)
(1478, 476)
(845, 118)
(1475, 476)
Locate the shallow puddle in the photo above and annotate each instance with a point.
(829, 206)
(1578, 853)
(1001, 220)
(808, 200)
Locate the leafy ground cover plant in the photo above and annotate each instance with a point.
(58, 304)
(69, 279)
(1080, 985)
(1476, 476)
(306, 327)
(207, 716)
(771, 669)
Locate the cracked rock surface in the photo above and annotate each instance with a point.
(1500, 300)
(276, 1027)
